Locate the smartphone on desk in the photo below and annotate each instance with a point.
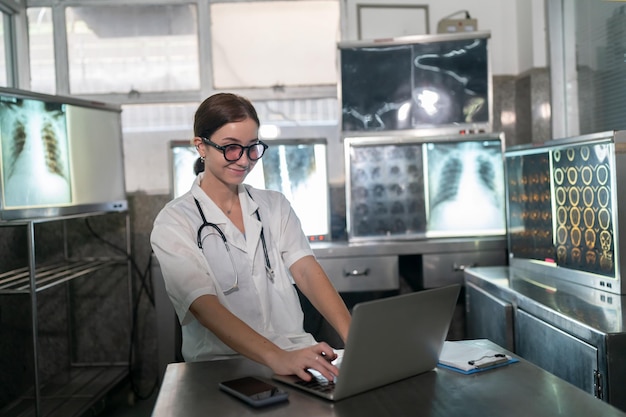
(254, 391)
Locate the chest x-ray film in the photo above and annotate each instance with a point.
(465, 188)
(299, 170)
(35, 153)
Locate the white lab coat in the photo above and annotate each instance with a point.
(271, 308)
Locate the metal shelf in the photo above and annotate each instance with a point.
(70, 393)
(75, 390)
(17, 281)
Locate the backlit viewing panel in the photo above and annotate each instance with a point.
(416, 83)
(60, 156)
(406, 188)
(562, 208)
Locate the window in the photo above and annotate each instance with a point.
(3, 55)
(274, 43)
(8, 51)
(41, 45)
(588, 60)
(132, 49)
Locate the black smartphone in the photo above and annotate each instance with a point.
(254, 391)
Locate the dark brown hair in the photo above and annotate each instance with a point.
(220, 109)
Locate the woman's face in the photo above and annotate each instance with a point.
(244, 133)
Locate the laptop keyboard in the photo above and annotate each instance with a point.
(317, 384)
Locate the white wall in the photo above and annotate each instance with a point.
(539, 34)
(147, 163)
(532, 35)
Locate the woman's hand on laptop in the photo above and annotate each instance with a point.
(296, 362)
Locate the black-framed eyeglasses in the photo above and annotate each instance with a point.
(234, 151)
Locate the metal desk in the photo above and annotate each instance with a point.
(521, 389)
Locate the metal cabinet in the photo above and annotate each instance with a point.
(575, 332)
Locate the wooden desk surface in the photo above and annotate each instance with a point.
(520, 389)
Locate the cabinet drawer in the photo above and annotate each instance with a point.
(372, 273)
(447, 268)
(556, 351)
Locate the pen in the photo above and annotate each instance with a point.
(491, 363)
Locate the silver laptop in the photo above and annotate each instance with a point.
(390, 339)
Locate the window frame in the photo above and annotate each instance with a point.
(563, 74)
(204, 58)
(15, 28)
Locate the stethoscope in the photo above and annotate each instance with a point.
(268, 266)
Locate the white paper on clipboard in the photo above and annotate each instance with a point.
(467, 357)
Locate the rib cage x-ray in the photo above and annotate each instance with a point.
(35, 155)
(299, 171)
(465, 187)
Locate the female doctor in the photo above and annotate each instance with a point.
(228, 253)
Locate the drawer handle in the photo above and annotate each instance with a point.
(456, 267)
(356, 273)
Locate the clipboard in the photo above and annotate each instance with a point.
(467, 359)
